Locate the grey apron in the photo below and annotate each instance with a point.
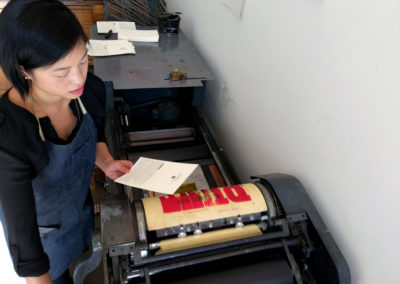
(63, 200)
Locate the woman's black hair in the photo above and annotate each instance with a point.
(35, 33)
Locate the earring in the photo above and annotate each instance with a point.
(26, 78)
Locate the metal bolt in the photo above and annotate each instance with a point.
(198, 231)
(182, 232)
(239, 223)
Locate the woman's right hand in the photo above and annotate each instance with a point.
(43, 279)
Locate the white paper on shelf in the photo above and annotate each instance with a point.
(157, 175)
(116, 26)
(139, 35)
(110, 47)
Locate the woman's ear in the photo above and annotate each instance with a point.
(24, 72)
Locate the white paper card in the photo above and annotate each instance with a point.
(198, 178)
(105, 26)
(157, 175)
(110, 47)
(139, 35)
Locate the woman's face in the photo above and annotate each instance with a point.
(65, 78)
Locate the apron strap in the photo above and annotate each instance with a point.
(37, 118)
(82, 106)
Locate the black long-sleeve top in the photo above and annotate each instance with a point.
(22, 157)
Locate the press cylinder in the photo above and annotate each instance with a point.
(202, 206)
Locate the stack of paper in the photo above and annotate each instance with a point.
(104, 27)
(139, 35)
(109, 47)
(128, 31)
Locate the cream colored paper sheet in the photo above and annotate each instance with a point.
(109, 47)
(139, 35)
(157, 175)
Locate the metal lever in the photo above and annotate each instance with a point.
(89, 260)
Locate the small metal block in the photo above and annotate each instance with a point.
(297, 217)
(122, 249)
(144, 253)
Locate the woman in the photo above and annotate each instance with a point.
(51, 134)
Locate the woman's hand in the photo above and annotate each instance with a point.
(44, 279)
(112, 168)
(116, 168)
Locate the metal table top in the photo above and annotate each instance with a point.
(152, 64)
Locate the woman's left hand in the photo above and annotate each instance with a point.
(116, 168)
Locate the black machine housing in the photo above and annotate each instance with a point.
(295, 247)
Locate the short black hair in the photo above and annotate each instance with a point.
(35, 33)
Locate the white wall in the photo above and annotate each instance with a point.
(311, 88)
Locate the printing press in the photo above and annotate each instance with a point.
(214, 229)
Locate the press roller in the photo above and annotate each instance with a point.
(207, 216)
(268, 230)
